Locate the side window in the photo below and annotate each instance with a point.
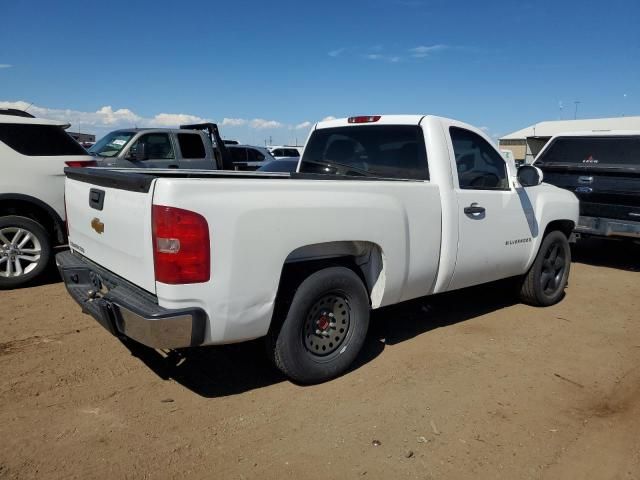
(290, 152)
(480, 166)
(39, 140)
(278, 152)
(191, 145)
(255, 155)
(238, 154)
(157, 146)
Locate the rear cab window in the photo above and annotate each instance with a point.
(384, 151)
(39, 140)
(620, 151)
(191, 145)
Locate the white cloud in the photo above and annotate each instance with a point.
(303, 125)
(336, 53)
(233, 122)
(5, 65)
(328, 118)
(106, 118)
(174, 120)
(261, 124)
(424, 51)
(386, 58)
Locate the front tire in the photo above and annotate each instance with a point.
(325, 327)
(547, 278)
(25, 250)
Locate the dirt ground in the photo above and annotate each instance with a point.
(462, 385)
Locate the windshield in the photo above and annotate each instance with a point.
(386, 151)
(111, 144)
(594, 151)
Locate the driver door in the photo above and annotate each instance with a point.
(494, 237)
(158, 149)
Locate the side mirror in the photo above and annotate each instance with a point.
(137, 152)
(529, 176)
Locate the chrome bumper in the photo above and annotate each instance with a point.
(607, 227)
(124, 309)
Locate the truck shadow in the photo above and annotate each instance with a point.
(623, 255)
(233, 369)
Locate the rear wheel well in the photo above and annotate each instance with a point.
(365, 259)
(564, 226)
(51, 223)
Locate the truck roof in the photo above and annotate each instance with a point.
(381, 120)
(598, 133)
(155, 129)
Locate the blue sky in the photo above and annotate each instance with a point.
(269, 67)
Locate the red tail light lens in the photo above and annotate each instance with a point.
(81, 163)
(181, 248)
(364, 119)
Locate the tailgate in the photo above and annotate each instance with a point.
(109, 221)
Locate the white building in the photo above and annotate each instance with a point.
(526, 143)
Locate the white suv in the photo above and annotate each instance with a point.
(33, 155)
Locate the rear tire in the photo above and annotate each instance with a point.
(324, 329)
(25, 250)
(547, 278)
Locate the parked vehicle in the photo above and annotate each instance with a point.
(286, 165)
(603, 169)
(280, 152)
(383, 209)
(33, 155)
(248, 157)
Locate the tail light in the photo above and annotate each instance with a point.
(181, 249)
(364, 119)
(81, 163)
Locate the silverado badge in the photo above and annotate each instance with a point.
(97, 225)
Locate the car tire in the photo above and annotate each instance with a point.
(547, 278)
(25, 250)
(324, 328)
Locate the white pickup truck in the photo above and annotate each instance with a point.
(382, 209)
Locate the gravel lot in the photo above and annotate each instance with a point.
(462, 385)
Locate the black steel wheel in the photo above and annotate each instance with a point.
(547, 278)
(325, 327)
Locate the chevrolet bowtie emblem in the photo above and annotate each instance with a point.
(97, 225)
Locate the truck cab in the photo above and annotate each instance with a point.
(155, 148)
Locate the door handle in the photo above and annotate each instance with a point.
(173, 166)
(474, 209)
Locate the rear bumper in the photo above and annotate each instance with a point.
(124, 309)
(607, 227)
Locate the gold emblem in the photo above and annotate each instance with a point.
(97, 225)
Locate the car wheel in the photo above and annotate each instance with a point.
(546, 280)
(25, 249)
(325, 327)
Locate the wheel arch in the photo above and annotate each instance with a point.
(564, 226)
(365, 258)
(35, 209)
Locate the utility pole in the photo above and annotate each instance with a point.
(575, 112)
